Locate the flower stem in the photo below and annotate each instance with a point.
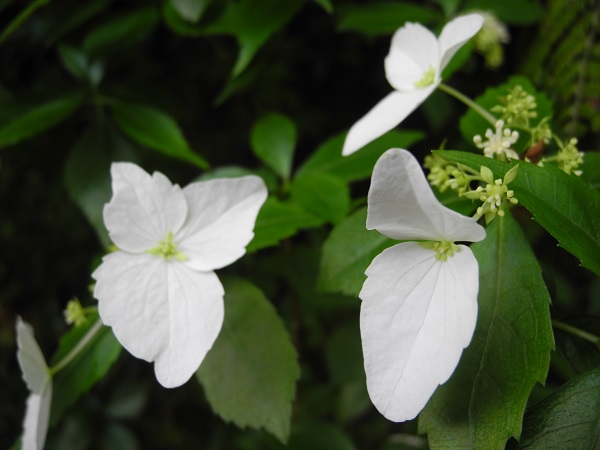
(77, 349)
(467, 101)
(577, 332)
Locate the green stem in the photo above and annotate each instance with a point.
(576, 332)
(21, 18)
(467, 101)
(77, 349)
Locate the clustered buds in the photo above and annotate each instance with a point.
(517, 107)
(490, 38)
(494, 194)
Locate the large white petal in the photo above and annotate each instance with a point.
(402, 206)
(387, 114)
(160, 311)
(417, 315)
(36, 375)
(220, 220)
(143, 208)
(413, 52)
(455, 34)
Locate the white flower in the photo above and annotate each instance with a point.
(159, 292)
(413, 67)
(39, 382)
(498, 143)
(420, 298)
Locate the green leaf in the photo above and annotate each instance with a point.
(591, 169)
(566, 419)
(359, 165)
(38, 119)
(482, 404)
(155, 129)
(472, 124)
(347, 253)
(581, 355)
(253, 22)
(325, 4)
(121, 32)
(190, 10)
(316, 435)
(79, 65)
(376, 18)
(567, 207)
(87, 172)
(273, 141)
(344, 354)
(86, 369)
(323, 195)
(514, 12)
(250, 374)
(278, 220)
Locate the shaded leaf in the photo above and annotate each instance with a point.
(482, 404)
(190, 10)
(591, 169)
(567, 207)
(566, 419)
(278, 220)
(347, 253)
(375, 18)
(121, 32)
(79, 65)
(514, 12)
(581, 355)
(323, 195)
(250, 374)
(38, 118)
(359, 165)
(273, 141)
(87, 368)
(155, 129)
(253, 22)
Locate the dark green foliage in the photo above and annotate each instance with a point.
(565, 61)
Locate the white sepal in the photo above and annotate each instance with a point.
(417, 315)
(38, 379)
(402, 205)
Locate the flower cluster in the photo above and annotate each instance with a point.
(489, 40)
(419, 302)
(494, 195)
(517, 107)
(569, 158)
(499, 143)
(443, 174)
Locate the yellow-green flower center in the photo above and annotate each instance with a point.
(427, 80)
(442, 249)
(167, 249)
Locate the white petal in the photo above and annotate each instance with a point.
(402, 205)
(413, 52)
(417, 315)
(160, 311)
(143, 208)
(36, 375)
(387, 114)
(30, 357)
(456, 33)
(220, 220)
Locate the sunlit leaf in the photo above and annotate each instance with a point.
(250, 374)
(483, 403)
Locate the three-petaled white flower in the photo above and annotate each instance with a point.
(159, 292)
(39, 382)
(413, 67)
(419, 302)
